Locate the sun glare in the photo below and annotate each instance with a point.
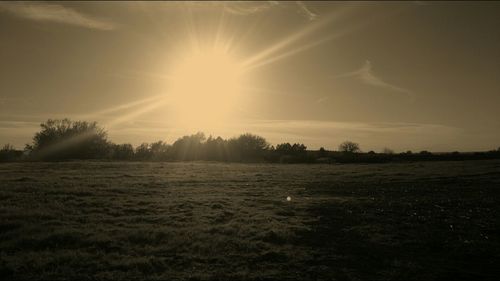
(205, 88)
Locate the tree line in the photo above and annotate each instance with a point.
(64, 139)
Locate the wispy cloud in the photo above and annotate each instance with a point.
(369, 127)
(248, 8)
(305, 10)
(368, 76)
(43, 12)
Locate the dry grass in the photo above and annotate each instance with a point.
(110, 220)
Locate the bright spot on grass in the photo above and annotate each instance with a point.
(288, 198)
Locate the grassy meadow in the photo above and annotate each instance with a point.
(208, 221)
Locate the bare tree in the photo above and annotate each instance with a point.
(349, 147)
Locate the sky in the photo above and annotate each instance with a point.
(408, 75)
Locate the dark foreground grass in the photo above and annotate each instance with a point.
(92, 220)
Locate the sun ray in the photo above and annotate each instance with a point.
(142, 110)
(265, 58)
(204, 83)
(191, 29)
(121, 107)
(66, 143)
(309, 29)
(298, 49)
(220, 27)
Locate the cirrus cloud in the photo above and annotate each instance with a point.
(43, 12)
(367, 76)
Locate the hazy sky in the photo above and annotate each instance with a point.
(408, 76)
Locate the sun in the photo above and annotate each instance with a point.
(205, 88)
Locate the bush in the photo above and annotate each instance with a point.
(9, 153)
(65, 139)
(248, 147)
(160, 151)
(322, 152)
(288, 153)
(122, 151)
(143, 152)
(216, 149)
(188, 147)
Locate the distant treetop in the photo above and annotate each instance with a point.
(349, 147)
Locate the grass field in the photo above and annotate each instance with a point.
(133, 220)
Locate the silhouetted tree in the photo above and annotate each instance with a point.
(215, 149)
(349, 147)
(188, 147)
(283, 148)
(65, 139)
(322, 152)
(160, 150)
(287, 148)
(122, 151)
(8, 147)
(289, 153)
(9, 153)
(248, 147)
(143, 152)
(28, 148)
